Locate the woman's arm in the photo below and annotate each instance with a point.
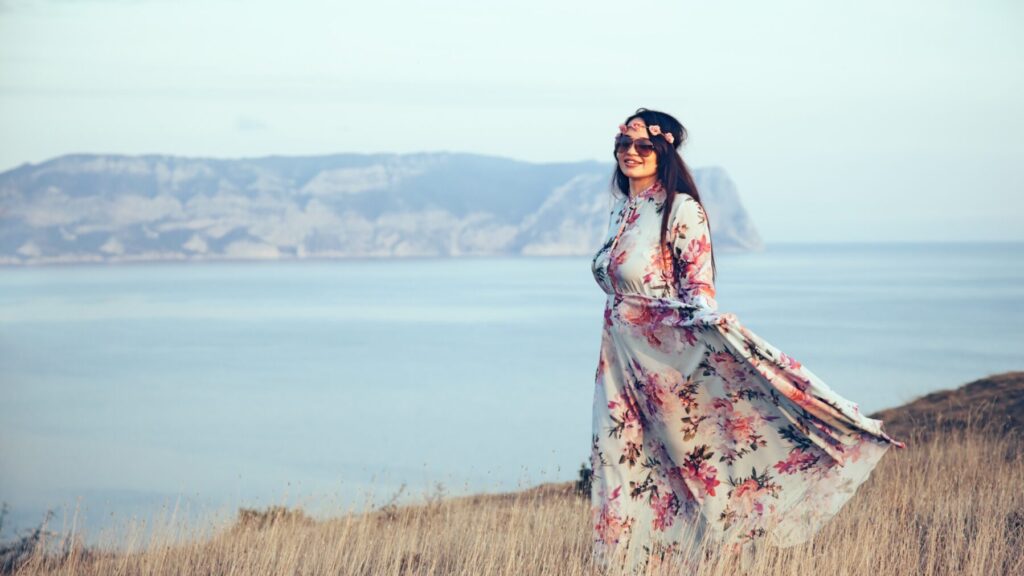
(691, 252)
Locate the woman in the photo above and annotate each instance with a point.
(703, 431)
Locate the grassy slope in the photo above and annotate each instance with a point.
(998, 398)
(951, 503)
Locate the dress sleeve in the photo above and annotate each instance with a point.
(691, 253)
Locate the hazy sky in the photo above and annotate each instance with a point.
(867, 120)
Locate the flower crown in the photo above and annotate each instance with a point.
(654, 130)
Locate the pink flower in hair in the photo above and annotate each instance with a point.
(655, 130)
(622, 129)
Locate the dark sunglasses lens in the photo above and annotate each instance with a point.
(622, 143)
(644, 147)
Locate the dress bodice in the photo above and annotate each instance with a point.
(631, 259)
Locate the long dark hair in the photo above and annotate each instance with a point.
(673, 173)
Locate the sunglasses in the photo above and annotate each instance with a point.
(644, 146)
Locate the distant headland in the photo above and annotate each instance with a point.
(115, 208)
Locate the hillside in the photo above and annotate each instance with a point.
(950, 504)
(112, 208)
(997, 401)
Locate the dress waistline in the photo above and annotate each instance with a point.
(641, 309)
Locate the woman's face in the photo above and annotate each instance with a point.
(630, 162)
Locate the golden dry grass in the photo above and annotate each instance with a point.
(949, 504)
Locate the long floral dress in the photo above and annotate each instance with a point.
(702, 429)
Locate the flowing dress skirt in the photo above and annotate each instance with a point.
(703, 430)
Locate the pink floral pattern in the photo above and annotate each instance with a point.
(701, 428)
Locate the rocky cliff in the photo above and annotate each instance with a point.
(112, 208)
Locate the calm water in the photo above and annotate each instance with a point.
(329, 384)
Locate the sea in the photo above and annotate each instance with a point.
(148, 393)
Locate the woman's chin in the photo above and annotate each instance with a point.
(633, 174)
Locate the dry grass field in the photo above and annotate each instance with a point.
(951, 503)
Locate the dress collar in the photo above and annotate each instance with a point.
(655, 190)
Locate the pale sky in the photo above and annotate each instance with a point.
(864, 121)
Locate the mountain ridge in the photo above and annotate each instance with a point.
(119, 208)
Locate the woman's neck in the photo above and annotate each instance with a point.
(638, 185)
